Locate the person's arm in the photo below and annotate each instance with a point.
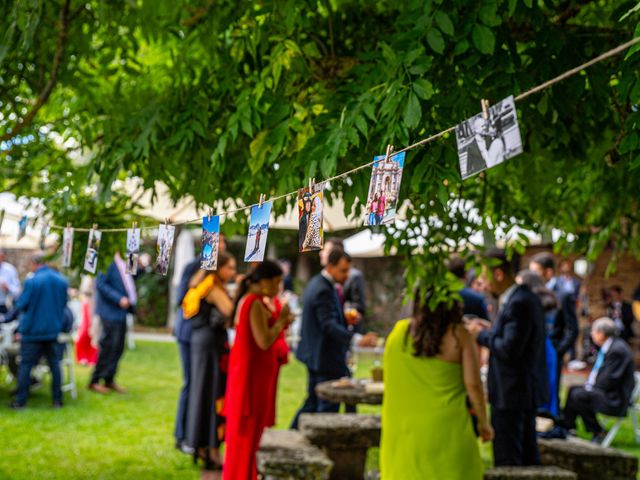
(263, 334)
(612, 371)
(218, 297)
(24, 299)
(510, 344)
(107, 290)
(571, 329)
(196, 278)
(328, 318)
(13, 283)
(473, 382)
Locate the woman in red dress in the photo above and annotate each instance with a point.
(253, 369)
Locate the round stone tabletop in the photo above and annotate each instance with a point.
(353, 393)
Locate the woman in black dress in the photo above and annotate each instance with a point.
(209, 349)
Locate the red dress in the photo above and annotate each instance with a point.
(86, 353)
(250, 399)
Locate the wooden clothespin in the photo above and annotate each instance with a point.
(134, 225)
(312, 185)
(389, 152)
(68, 224)
(210, 214)
(262, 199)
(485, 108)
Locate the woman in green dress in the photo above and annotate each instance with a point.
(430, 367)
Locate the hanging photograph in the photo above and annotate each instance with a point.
(67, 246)
(486, 142)
(133, 251)
(93, 246)
(384, 189)
(22, 227)
(210, 241)
(258, 230)
(163, 248)
(1, 219)
(310, 233)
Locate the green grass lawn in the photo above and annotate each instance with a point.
(130, 436)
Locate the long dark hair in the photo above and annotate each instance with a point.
(428, 326)
(262, 271)
(536, 284)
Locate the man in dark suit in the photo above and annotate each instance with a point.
(609, 386)
(517, 367)
(620, 311)
(42, 304)
(325, 336)
(565, 324)
(116, 297)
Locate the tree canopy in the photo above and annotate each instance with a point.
(225, 100)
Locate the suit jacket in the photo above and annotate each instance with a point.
(42, 303)
(110, 290)
(627, 319)
(565, 327)
(517, 366)
(615, 379)
(474, 303)
(324, 338)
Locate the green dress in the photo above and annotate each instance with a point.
(426, 427)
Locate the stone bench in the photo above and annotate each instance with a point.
(529, 473)
(587, 460)
(288, 455)
(345, 438)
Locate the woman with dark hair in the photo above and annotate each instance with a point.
(209, 348)
(430, 366)
(253, 368)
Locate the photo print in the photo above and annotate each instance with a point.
(485, 143)
(310, 233)
(163, 248)
(384, 189)
(22, 227)
(258, 230)
(93, 246)
(67, 246)
(210, 242)
(133, 251)
(1, 219)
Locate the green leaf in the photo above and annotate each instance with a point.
(423, 88)
(483, 39)
(435, 40)
(461, 47)
(628, 143)
(543, 104)
(361, 124)
(412, 111)
(528, 3)
(512, 6)
(488, 15)
(444, 22)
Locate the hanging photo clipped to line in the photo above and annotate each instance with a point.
(210, 242)
(384, 189)
(67, 246)
(163, 248)
(22, 227)
(133, 251)
(93, 247)
(486, 142)
(310, 233)
(258, 231)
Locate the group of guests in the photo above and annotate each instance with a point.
(432, 380)
(40, 307)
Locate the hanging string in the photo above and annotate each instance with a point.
(543, 86)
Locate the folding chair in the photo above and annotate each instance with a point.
(634, 408)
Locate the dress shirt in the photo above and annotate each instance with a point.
(591, 381)
(9, 275)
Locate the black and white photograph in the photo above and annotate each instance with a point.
(93, 246)
(163, 248)
(486, 142)
(133, 250)
(67, 246)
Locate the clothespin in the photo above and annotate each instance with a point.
(210, 214)
(484, 103)
(262, 198)
(95, 226)
(312, 185)
(134, 225)
(389, 152)
(68, 224)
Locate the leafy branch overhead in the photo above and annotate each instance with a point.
(230, 100)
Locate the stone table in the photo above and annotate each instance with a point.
(288, 455)
(351, 395)
(345, 438)
(587, 460)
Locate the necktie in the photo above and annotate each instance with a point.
(599, 361)
(340, 292)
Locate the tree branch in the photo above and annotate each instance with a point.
(198, 14)
(55, 70)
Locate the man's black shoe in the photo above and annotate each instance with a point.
(17, 406)
(57, 404)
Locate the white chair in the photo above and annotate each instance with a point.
(67, 366)
(634, 409)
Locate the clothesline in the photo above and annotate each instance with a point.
(538, 88)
